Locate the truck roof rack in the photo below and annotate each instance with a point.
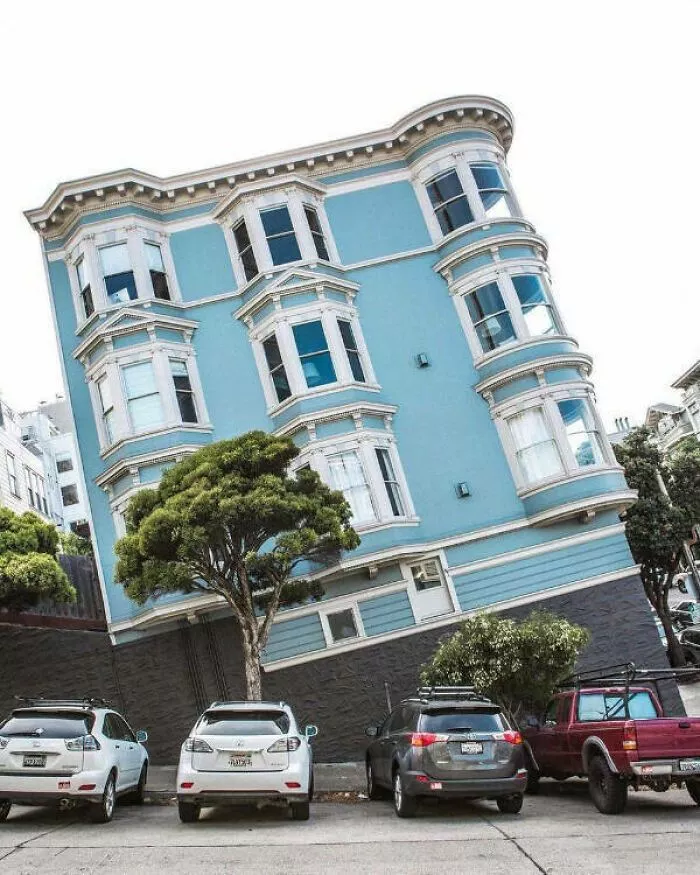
(469, 694)
(622, 674)
(41, 702)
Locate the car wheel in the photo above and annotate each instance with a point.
(140, 791)
(608, 792)
(404, 805)
(373, 791)
(510, 804)
(103, 811)
(5, 806)
(300, 810)
(188, 811)
(692, 786)
(533, 776)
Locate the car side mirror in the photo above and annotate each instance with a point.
(142, 736)
(310, 731)
(372, 731)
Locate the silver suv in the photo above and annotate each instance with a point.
(446, 742)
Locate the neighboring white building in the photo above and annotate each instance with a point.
(674, 422)
(23, 472)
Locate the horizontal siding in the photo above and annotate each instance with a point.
(293, 637)
(386, 613)
(542, 572)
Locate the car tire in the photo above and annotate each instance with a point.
(608, 792)
(533, 776)
(373, 790)
(139, 793)
(311, 787)
(510, 804)
(300, 810)
(692, 786)
(188, 811)
(404, 805)
(103, 811)
(5, 806)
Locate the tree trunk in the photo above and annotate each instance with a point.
(251, 654)
(675, 651)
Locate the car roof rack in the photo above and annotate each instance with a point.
(467, 694)
(622, 674)
(224, 702)
(41, 702)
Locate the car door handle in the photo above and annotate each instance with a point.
(116, 745)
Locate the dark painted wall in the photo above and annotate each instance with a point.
(163, 682)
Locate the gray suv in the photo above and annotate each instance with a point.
(446, 742)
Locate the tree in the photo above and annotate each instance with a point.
(655, 527)
(73, 545)
(517, 663)
(229, 520)
(29, 572)
(682, 476)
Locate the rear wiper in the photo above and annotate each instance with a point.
(461, 729)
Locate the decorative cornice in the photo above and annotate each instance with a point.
(142, 321)
(330, 414)
(70, 200)
(263, 186)
(123, 466)
(577, 359)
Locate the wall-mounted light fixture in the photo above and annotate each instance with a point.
(462, 490)
(422, 360)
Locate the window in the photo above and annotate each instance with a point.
(107, 404)
(426, 575)
(581, 432)
(350, 345)
(244, 722)
(12, 474)
(183, 390)
(120, 284)
(156, 268)
(314, 355)
(281, 239)
(537, 311)
(316, 232)
(611, 706)
(535, 449)
(550, 716)
(490, 317)
(278, 374)
(69, 494)
(449, 201)
(245, 250)
(30, 485)
(348, 476)
(142, 396)
(41, 496)
(457, 720)
(391, 484)
(342, 625)
(64, 464)
(84, 287)
(492, 189)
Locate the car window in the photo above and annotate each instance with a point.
(550, 715)
(37, 724)
(121, 729)
(244, 723)
(396, 720)
(692, 638)
(109, 728)
(461, 720)
(611, 706)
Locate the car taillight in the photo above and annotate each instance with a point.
(83, 742)
(629, 736)
(425, 739)
(512, 736)
(285, 744)
(197, 745)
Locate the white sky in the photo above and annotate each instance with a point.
(605, 98)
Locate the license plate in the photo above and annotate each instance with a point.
(240, 762)
(472, 747)
(690, 765)
(35, 762)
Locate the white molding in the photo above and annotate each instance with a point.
(447, 264)
(507, 349)
(574, 359)
(330, 414)
(157, 432)
(360, 183)
(118, 469)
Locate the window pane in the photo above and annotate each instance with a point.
(276, 221)
(536, 450)
(183, 390)
(284, 249)
(146, 412)
(390, 482)
(139, 379)
(495, 331)
(581, 431)
(277, 369)
(154, 257)
(88, 305)
(312, 219)
(492, 189)
(484, 301)
(250, 265)
(348, 476)
(449, 201)
(69, 494)
(82, 273)
(350, 345)
(143, 399)
(240, 233)
(63, 465)
(444, 188)
(121, 287)
(115, 259)
(315, 359)
(105, 391)
(245, 250)
(487, 176)
(454, 215)
(342, 625)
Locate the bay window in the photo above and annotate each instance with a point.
(84, 288)
(581, 431)
(536, 451)
(156, 269)
(280, 235)
(351, 350)
(118, 273)
(143, 400)
(348, 476)
(314, 354)
(183, 390)
(492, 189)
(490, 317)
(104, 391)
(449, 201)
(538, 312)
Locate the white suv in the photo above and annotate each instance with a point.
(246, 752)
(65, 752)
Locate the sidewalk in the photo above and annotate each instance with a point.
(328, 778)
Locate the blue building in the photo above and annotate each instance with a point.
(384, 301)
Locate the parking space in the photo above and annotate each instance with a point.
(557, 832)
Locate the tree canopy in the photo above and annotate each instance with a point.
(231, 520)
(517, 663)
(29, 572)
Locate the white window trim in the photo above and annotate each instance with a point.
(336, 608)
(135, 236)
(294, 199)
(412, 591)
(547, 402)
(159, 354)
(364, 442)
(501, 272)
(449, 158)
(281, 323)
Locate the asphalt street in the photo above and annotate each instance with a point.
(557, 832)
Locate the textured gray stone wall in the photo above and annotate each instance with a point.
(153, 682)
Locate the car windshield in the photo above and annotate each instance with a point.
(37, 724)
(244, 723)
(611, 706)
(461, 720)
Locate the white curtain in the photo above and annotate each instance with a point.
(154, 257)
(142, 394)
(347, 476)
(115, 259)
(536, 449)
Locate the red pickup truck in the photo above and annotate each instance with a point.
(618, 737)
